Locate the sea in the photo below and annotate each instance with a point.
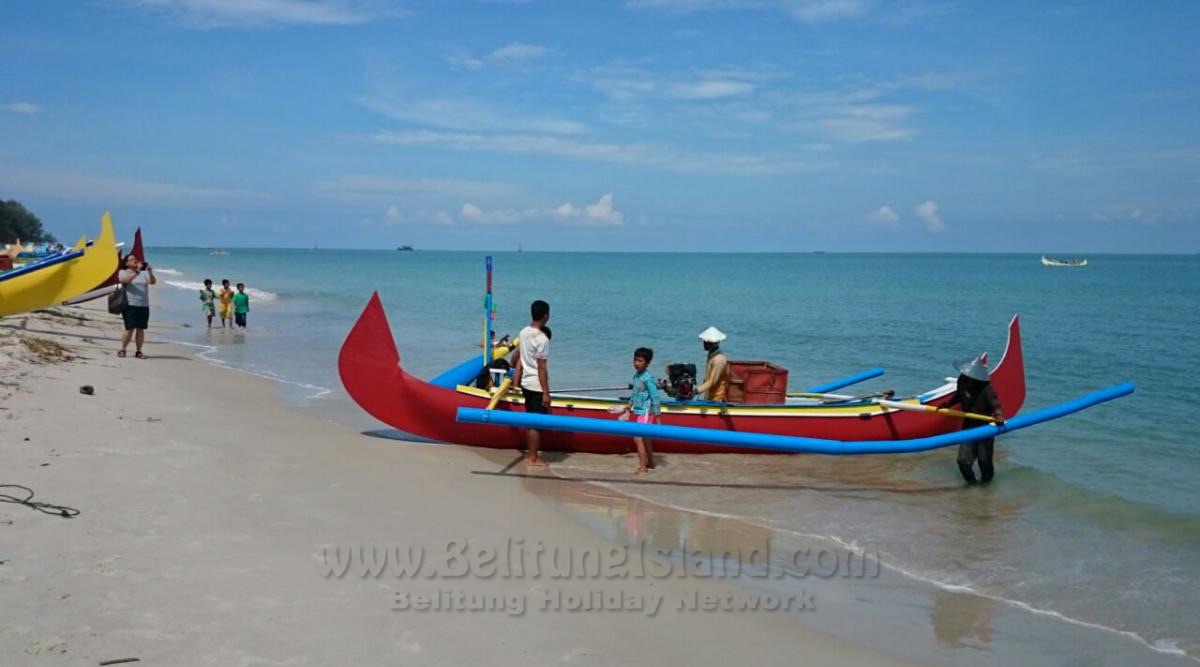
(1092, 524)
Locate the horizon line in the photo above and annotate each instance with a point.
(682, 252)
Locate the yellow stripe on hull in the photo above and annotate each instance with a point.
(60, 282)
(855, 410)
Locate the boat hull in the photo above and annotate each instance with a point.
(105, 288)
(53, 284)
(370, 369)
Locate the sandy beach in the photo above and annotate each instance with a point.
(206, 509)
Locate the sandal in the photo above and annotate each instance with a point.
(121, 353)
(139, 355)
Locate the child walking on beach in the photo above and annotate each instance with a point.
(644, 404)
(241, 305)
(208, 301)
(226, 300)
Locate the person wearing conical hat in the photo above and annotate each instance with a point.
(975, 393)
(716, 371)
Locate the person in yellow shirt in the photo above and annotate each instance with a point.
(226, 308)
(716, 372)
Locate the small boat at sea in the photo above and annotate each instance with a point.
(1065, 263)
(405, 248)
(219, 253)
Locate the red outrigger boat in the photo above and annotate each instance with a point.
(369, 365)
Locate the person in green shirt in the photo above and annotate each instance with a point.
(208, 301)
(241, 305)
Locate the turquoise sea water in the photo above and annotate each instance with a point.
(1094, 519)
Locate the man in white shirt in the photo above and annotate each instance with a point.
(532, 375)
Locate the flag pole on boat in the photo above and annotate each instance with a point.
(488, 350)
(487, 315)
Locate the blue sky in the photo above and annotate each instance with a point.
(755, 125)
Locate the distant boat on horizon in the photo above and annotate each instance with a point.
(405, 248)
(1067, 263)
(219, 253)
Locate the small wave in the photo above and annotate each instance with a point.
(207, 351)
(169, 272)
(260, 295)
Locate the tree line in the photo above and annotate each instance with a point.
(16, 222)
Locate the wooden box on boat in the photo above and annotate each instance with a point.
(757, 383)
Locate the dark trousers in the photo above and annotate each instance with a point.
(980, 450)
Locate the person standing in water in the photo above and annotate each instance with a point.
(241, 305)
(226, 303)
(208, 301)
(532, 374)
(976, 394)
(716, 370)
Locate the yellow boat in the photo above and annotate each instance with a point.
(57, 282)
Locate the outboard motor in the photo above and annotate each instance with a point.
(680, 382)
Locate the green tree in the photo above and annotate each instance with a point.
(16, 222)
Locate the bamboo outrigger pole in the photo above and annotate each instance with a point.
(918, 407)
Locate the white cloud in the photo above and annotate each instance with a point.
(464, 114)
(620, 83)
(884, 215)
(638, 154)
(73, 186)
(394, 215)
(1118, 213)
(728, 96)
(372, 188)
(707, 89)
(815, 11)
(27, 108)
(624, 83)
(807, 11)
(263, 13)
(850, 115)
(517, 52)
(514, 53)
(929, 214)
(472, 213)
(464, 60)
(601, 213)
(868, 122)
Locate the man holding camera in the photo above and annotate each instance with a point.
(136, 279)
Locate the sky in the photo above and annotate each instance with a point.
(625, 125)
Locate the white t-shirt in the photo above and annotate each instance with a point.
(534, 346)
(138, 290)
